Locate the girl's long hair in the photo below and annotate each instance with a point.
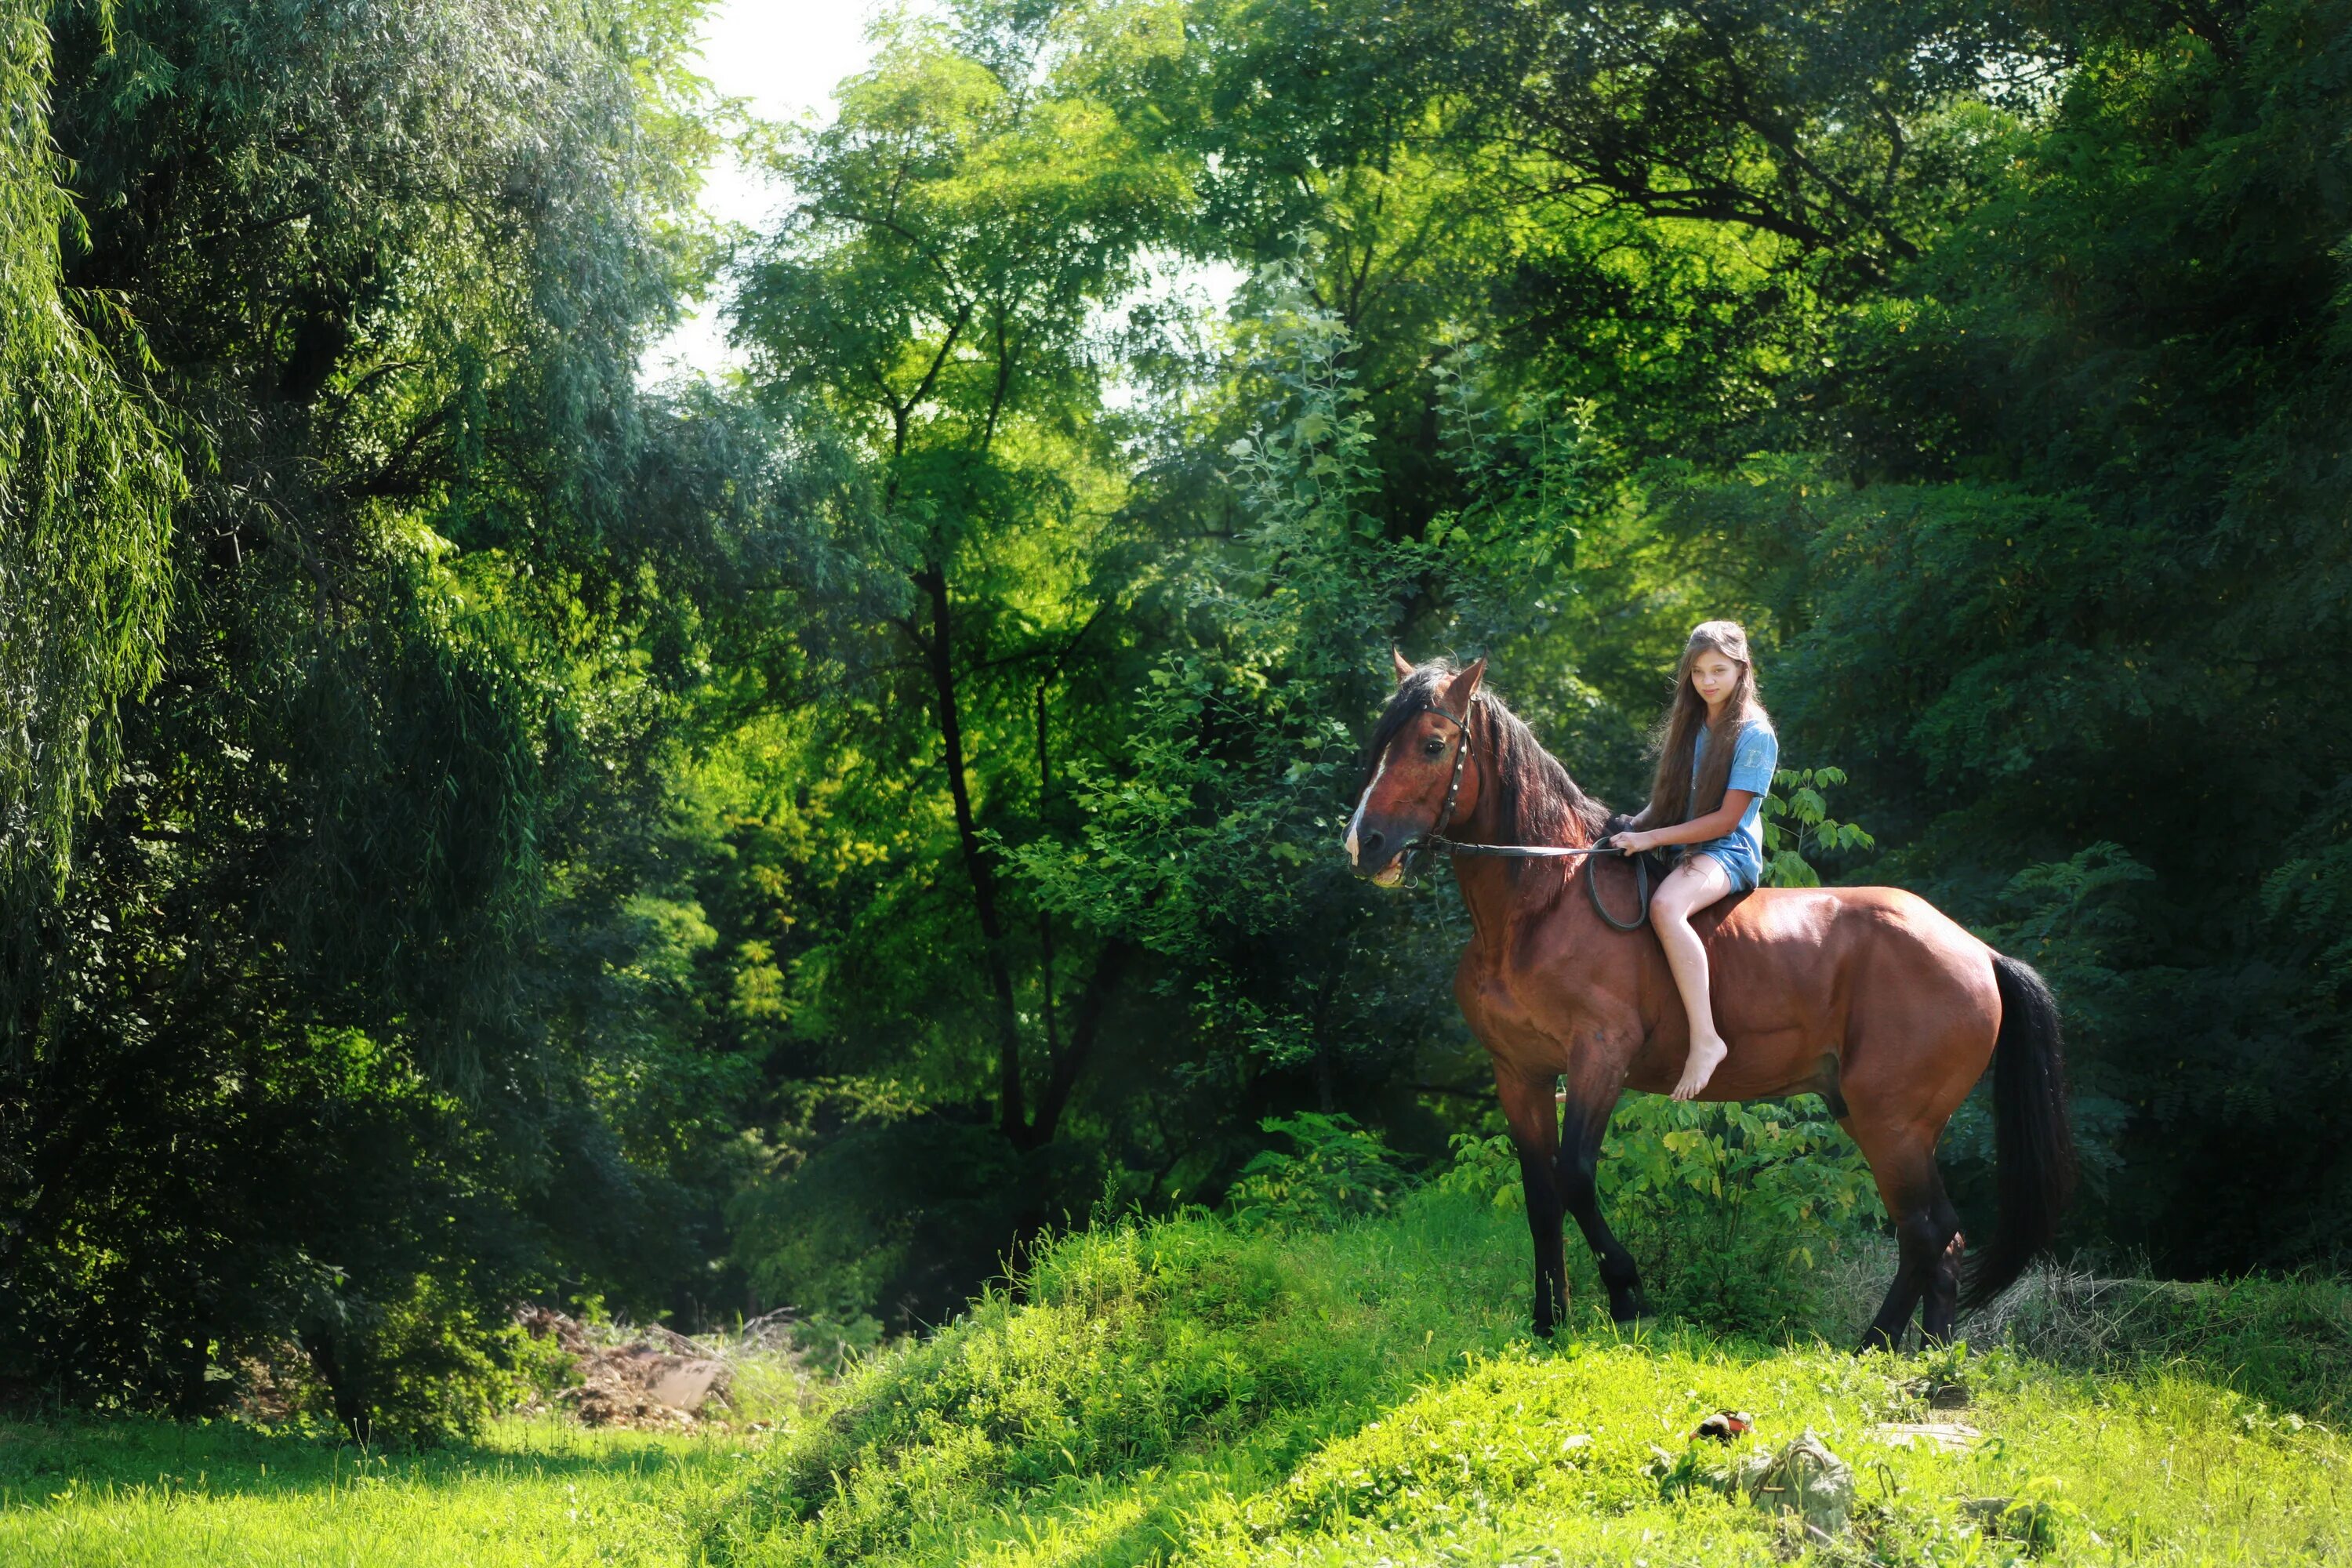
(1673, 799)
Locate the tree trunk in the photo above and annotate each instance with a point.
(979, 864)
(1085, 1025)
(1044, 918)
(350, 1407)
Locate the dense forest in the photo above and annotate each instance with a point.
(479, 823)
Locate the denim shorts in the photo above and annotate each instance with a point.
(1735, 853)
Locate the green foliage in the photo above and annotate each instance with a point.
(1217, 824)
(89, 479)
(1536, 475)
(1334, 1170)
(1797, 828)
(2074, 608)
(1737, 1214)
(425, 1366)
(329, 1041)
(2309, 896)
(1734, 1210)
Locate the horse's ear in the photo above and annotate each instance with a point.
(1463, 687)
(1404, 666)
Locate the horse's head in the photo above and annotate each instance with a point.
(1408, 767)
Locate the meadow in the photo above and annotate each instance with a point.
(142, 1493)
(1204, 1389)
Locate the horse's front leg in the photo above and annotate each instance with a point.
(1596, 1080)
(1528, 1109)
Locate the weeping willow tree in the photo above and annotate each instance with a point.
(328, 1045)
(86, 486)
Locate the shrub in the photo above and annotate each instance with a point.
(425, 1366)
(1336, 1170)
(1736, 1208)
(1733, 1211)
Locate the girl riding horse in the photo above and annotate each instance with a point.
(1715, 756)
(1869, 998)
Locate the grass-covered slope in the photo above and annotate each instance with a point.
(1193, 1393)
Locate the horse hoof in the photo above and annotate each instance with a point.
(1628, 1309)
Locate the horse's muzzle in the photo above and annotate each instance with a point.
(1368, 853)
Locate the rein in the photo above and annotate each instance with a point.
(1435, 841)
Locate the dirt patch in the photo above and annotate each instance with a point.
(655, 1377)
(649, 1377)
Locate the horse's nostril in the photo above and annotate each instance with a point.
(1371, 843)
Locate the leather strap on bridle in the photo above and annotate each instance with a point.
(1435, 841)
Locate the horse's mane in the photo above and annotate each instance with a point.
(1537, 802)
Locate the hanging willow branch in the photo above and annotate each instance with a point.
(86, 486)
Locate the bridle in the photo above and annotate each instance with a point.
(1435, 841)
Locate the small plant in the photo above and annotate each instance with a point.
(423, 1366)
(1338, 1171)
(1733, 1209)
(1798, 827)
(1485, 1168)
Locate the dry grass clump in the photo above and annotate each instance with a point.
(2284, 1339)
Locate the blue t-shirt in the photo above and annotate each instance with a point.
(1753, 758)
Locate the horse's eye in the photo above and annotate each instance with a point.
(1434, 746)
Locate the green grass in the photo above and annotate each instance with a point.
(95, 1494)
(1364, 1396)
(1189, 1392)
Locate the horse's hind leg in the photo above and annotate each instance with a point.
(1926, 1231)
(1942, 1307)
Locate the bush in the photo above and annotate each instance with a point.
(1736, 1208)
(425, 1367)
(1733, 1211)
(1338, 1171)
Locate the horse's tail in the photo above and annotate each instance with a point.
(2033, 1142)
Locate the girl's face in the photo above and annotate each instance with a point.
(1714, 676)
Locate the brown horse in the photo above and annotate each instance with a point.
(1870, 997)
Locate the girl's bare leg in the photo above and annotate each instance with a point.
(1694, 884)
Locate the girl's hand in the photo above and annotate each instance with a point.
(1631, 843)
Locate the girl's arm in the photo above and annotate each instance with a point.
(1697, 830)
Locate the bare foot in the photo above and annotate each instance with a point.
(1706, 1055)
